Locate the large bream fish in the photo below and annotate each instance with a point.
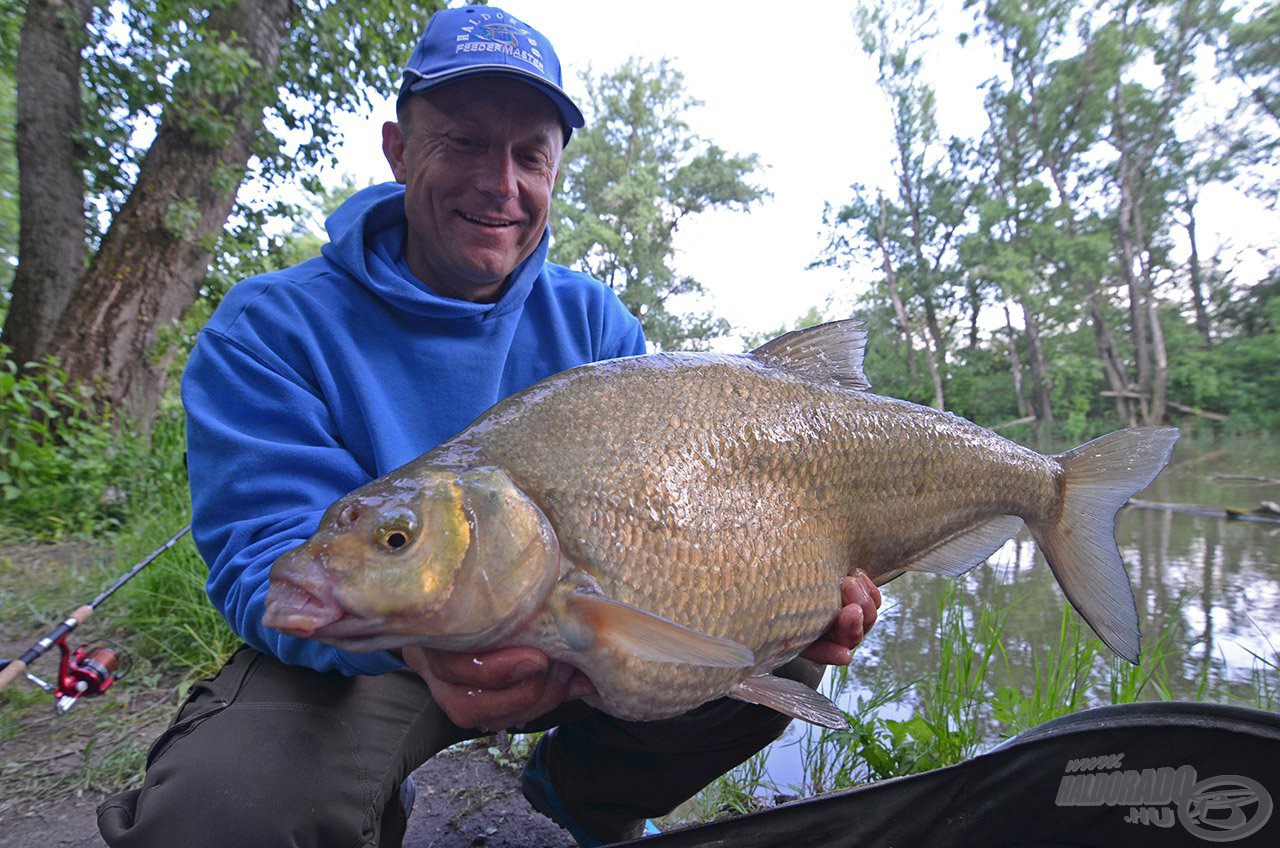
(677, 525)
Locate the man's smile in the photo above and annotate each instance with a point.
(487, 222)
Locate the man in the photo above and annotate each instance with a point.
(432, 301)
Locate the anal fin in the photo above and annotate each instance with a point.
(963, 551)
(586, 617)
(790, 698)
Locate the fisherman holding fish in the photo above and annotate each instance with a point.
(432, 301)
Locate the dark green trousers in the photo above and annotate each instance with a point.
(267, 754)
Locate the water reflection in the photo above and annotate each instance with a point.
(1208, 594)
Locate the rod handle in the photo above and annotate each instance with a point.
(81, 615)
(11, 672)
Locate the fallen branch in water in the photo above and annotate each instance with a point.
(1267, 513)
(1247, 478)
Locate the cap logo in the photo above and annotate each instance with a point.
(499, 35)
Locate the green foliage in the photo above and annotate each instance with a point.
(1256, 46)
(1239, 375)
(156, 61)
(630, 177)
(908, 231)
(1252, 57)
(166, 606)
(1060, 681)
(897, 747)
(949, 724)
(737, 793)
(64, 471)
(68, 471)
(1071, 204)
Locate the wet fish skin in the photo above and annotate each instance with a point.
(678, 525)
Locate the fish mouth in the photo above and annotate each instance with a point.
(311, 612)
(298, 610)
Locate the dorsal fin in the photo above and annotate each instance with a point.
(830, 351)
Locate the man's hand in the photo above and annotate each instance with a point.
(861, 600)
(498, 689)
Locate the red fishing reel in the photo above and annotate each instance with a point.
(84, 673)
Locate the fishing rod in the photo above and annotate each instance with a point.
(83, 672)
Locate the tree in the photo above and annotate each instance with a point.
(8, 161)
(1146, 170)
(911, 230)
(630, 178)
(1061, 99)
(1252, 56)
(242, 89)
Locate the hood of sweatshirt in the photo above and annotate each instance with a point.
(366, 240)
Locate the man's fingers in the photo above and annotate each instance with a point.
(826, 652)
(861, 591)
(861, 600)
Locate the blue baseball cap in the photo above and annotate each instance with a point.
(474, 41)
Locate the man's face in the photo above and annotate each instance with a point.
(478, 159)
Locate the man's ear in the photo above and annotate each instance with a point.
(393, 148)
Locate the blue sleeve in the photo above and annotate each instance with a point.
(623, 334)
(264, 461)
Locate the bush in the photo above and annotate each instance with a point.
(65, 470)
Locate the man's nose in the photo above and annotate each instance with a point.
(498, 176)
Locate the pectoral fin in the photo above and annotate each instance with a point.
(790, 698)
(585, 618)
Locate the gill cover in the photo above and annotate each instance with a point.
(510, 567)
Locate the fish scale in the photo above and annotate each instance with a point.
(678, 525)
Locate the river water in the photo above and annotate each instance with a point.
(1208, 593)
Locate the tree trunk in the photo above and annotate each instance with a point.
(1127, 216)
(1111, 367)
(1159, 366)
(1195, 275)
(933, 355)
(51, 186)
(1015, 364)
(153, 257)
(1041, 401)
(891, 280)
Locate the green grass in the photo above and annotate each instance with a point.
(965, 707)
(1264, 676)
(160, 622)
(165, 606)
(1059, 681)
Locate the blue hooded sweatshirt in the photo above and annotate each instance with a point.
(311, 381)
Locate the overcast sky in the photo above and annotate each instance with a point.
(792, 87)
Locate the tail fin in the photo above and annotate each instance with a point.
(1081, 546)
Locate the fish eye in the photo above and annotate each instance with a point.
(397, 530)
